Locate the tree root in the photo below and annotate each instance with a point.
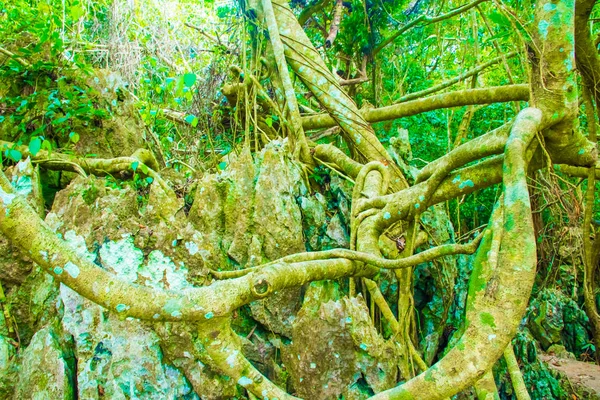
(498, 293)
(486, 388)
(357, 256)
(516, 376)
(223, 349)
(142, 162)
(457, 98)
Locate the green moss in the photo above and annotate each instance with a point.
(487, 319)
(509, 222)
(90, 194)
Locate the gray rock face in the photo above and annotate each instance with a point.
(117, 359)
(46, 369)
(335, 349)
(249, 214)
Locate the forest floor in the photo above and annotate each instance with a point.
(584, 377)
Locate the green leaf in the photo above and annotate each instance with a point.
(499, 19)
(74, 137)
(192, 120)
(14, 155)
(149, 179)
(222, 165)
(46, 145)
(189, 79)
(135, 165)
(269, 122)
(62, 119)
(144, 168)
(34, 146)
(77, 11)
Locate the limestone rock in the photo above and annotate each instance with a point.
(335, 351)
(47, 371)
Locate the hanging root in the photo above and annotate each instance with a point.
(515, 374)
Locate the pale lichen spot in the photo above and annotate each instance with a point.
(491, 337)
(231, 359)
(58, 270)
(7, 198)
(156, 316)
(44, 254)
(173, 307)
(387, 215)
(22, 165)
(122, 257)
(22, 185)
(517, 194)
(245, 381)
(77, 243)
(192, 248)
(549, 7)
(121, 307)
(209, 315)
(467, 183)
(568, 64)
(72, 269)
(543, 28)
(159, 266)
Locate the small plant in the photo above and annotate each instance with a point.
(589, 351)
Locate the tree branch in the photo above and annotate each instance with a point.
(425, 20)
(456, 79)
(310, 68)
(13, 56)
(297, 138)
(496, 94)
(494, 308)
(334, 27)
(309, 11)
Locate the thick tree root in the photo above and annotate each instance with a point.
(223, 351)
